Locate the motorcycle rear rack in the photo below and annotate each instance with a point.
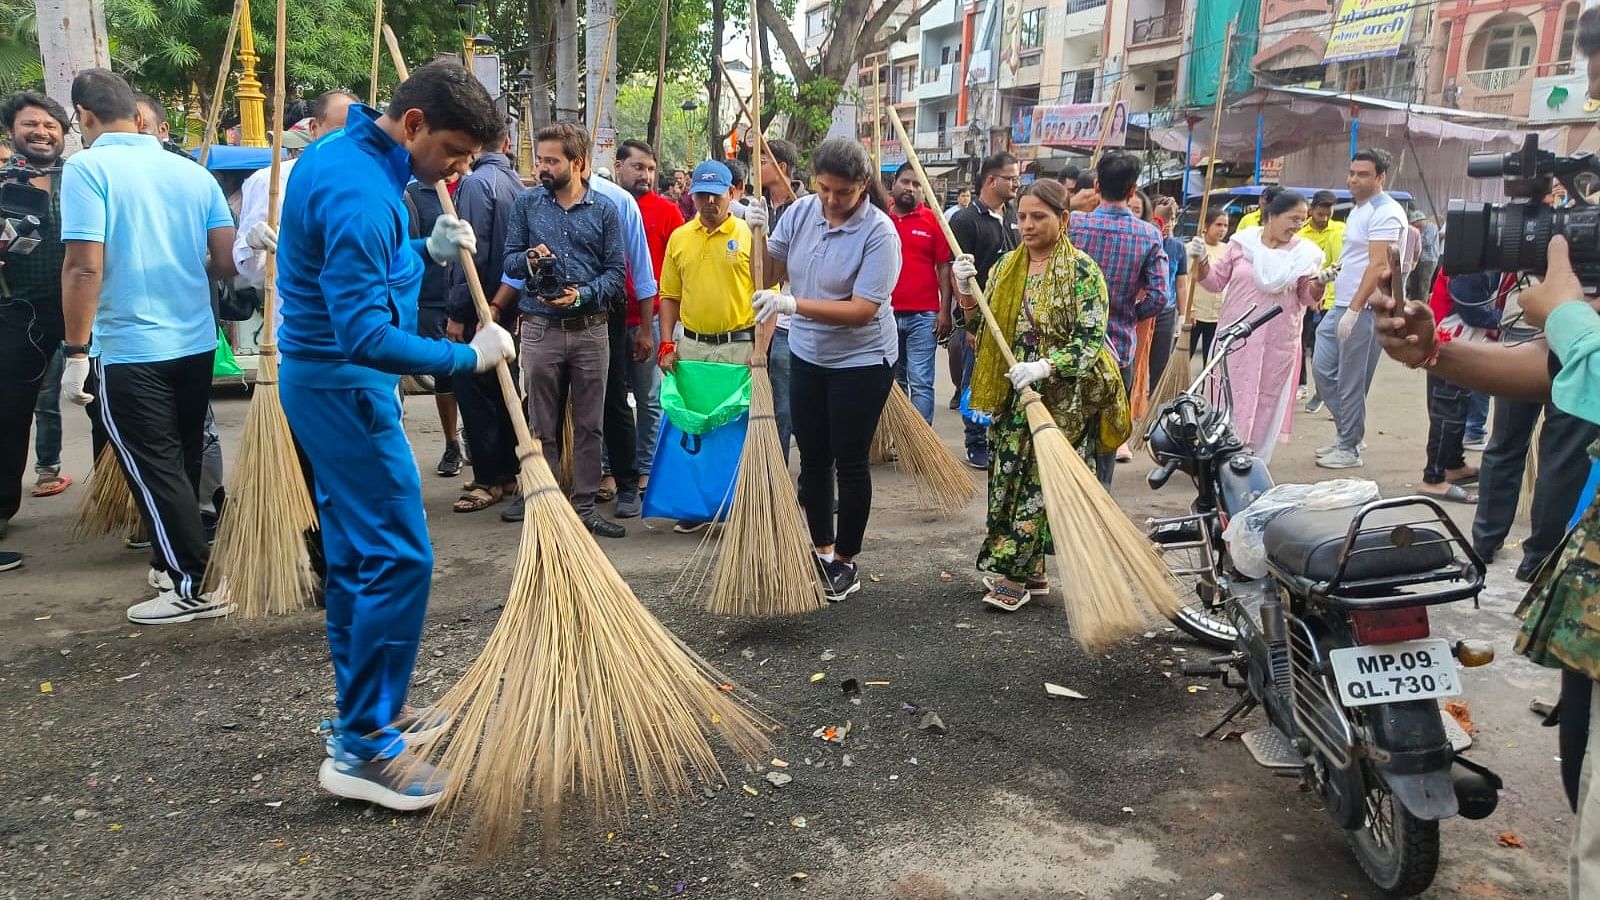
(1464, 574)
(1318, 713)
(1205, 571)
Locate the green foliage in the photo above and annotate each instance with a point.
(19, 49)
(808, 106)
(680, 131)
(639, 33)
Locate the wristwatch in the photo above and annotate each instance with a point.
(71, 349)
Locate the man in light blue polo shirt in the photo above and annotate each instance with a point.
(145, 233)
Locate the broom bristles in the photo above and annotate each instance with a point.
(942, 481)
(260, 552)
(578, 691)
(882, 443)
(1111, 564)
(108, 506)
(765, 567)
(1174, 378)
(567, 479)
(1530, 472)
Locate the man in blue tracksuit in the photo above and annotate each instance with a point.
(348, 275)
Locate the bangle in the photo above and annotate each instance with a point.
(665, 348)
(1440, 338)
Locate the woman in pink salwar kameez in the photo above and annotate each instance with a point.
(1262, 267)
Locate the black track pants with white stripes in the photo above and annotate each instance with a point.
(155, 415)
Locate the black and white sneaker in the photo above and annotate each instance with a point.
(9, 560)
(168, 608)
(450, 463)
(841, 581)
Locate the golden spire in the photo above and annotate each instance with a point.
(252, 103)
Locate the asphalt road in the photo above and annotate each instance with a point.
(180, 762)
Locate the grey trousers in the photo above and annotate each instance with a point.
(556, 364)
(210, 466)
(1563, 468)
(1343, 372)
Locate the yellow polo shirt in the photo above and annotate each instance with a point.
(708, 273)
(1331, 241)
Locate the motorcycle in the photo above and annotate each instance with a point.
(1333, 643)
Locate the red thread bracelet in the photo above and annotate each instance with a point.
(665, 348)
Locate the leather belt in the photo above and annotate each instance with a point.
(579, 323)
(747, 336)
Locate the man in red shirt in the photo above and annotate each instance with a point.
(922, 296)
(636, 173)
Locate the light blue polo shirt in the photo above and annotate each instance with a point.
(860, 258)
(152, 210)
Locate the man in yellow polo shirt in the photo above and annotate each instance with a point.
(1328, 235)
(705, 281)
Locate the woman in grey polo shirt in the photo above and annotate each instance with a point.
(838, 255)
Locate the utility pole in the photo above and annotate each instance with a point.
(539, 31)
(72, 36)
(600, 72)
(653, 133)
(567, 61)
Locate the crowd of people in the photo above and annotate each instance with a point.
(836, 282)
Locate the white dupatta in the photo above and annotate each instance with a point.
(1278, 270)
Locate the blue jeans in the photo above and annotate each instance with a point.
(47, 418)
(644, 380)
(1477, 414)
(918, 350)
(778, 372)
(977, 435)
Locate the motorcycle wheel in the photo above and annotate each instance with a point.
(1398, 851)
(1200, 620)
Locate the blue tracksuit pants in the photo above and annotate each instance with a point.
(375, 535)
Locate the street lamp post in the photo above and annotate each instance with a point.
(689, 106)
(252, 102)
(467, 15)
(525, 127)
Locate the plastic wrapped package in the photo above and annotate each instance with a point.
(1246, 532)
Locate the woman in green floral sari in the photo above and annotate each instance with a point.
(1049, 299)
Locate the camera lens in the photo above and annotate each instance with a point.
(1484, 237)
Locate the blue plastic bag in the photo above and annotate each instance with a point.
(693, 476)
(971, 415)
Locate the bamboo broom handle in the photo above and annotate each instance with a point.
(1105, 127)
(955, 247)
(377, 52)
(269, 293)
(745, 109)
(1211, 169)
(758, 236)
(223, 68)
(508, 388)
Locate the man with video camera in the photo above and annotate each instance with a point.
(31, 327)
(1561, 613)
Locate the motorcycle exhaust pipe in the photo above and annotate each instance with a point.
(1477, 789)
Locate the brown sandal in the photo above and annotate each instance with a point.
(477, 497)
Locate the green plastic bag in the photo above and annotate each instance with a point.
(223, 365)
(699, 397)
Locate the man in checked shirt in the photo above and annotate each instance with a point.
(1130, 254)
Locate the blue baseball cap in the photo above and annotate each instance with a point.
(711, 177)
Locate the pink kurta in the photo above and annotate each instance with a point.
(1266, 368)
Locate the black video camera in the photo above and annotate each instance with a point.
(1512, 237)
(22, 207)
(547, 285)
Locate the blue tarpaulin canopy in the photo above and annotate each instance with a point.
(228, 158)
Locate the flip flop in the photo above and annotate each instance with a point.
(1469, 478)
(1006, 599)
(51, 488)
(1454, 494)
(1034, 588)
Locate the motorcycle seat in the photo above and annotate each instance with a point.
(1309, 544)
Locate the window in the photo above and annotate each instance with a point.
(1569, 35)
(1083, 91)
(816, 22)
(1166, 87)
(1510, 47)
(1032, 35)
(944, 55)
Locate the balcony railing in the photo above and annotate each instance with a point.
(1498, 79)
(1077, 6)
(1157, 28)
(1498, 104)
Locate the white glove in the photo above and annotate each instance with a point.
(772, 303)
(1347, 324)
(262, 238)
(965, 269)
(1196, 248)
(1025, 373)
(755, 215)
(1329, 275)
(450, 236)
(492, 344)
(74, 372)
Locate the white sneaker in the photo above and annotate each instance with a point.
(1324, 451)
(159, 580)
(402, 786)
(1341, 459)
(168, 608)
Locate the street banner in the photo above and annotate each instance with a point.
(1070, 125)
(1369, 29)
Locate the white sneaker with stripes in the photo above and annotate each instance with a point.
(169, 608)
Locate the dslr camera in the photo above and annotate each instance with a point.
(22, 206)
(1512, 237)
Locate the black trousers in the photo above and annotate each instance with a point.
(1162, 343)
(1563, 469)
(490, 439)
(619, 429)
(835, 413)
(27, 342)
(1572, 724)
(1447, 428)
(155, 415)
(1201, 337)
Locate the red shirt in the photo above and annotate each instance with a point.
(922, 248)
(661, 219)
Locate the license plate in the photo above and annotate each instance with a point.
(1392, 673)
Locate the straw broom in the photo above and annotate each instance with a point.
(579, 690)
(1113, 565)
(765, 566)
(260, 549)
(1176, 375)
(107, 506)
(1530, 471)
(941, 480)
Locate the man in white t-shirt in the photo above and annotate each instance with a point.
(1347, 351)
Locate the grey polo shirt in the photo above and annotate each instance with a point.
(860, 258)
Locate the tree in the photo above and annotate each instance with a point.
(681, 133)
(858, 29)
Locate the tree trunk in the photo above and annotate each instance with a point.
(769, 111)
(72, 36)
(653, 132)
(600, 87)
(567, 61)
(714, 82)
(540, 24)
